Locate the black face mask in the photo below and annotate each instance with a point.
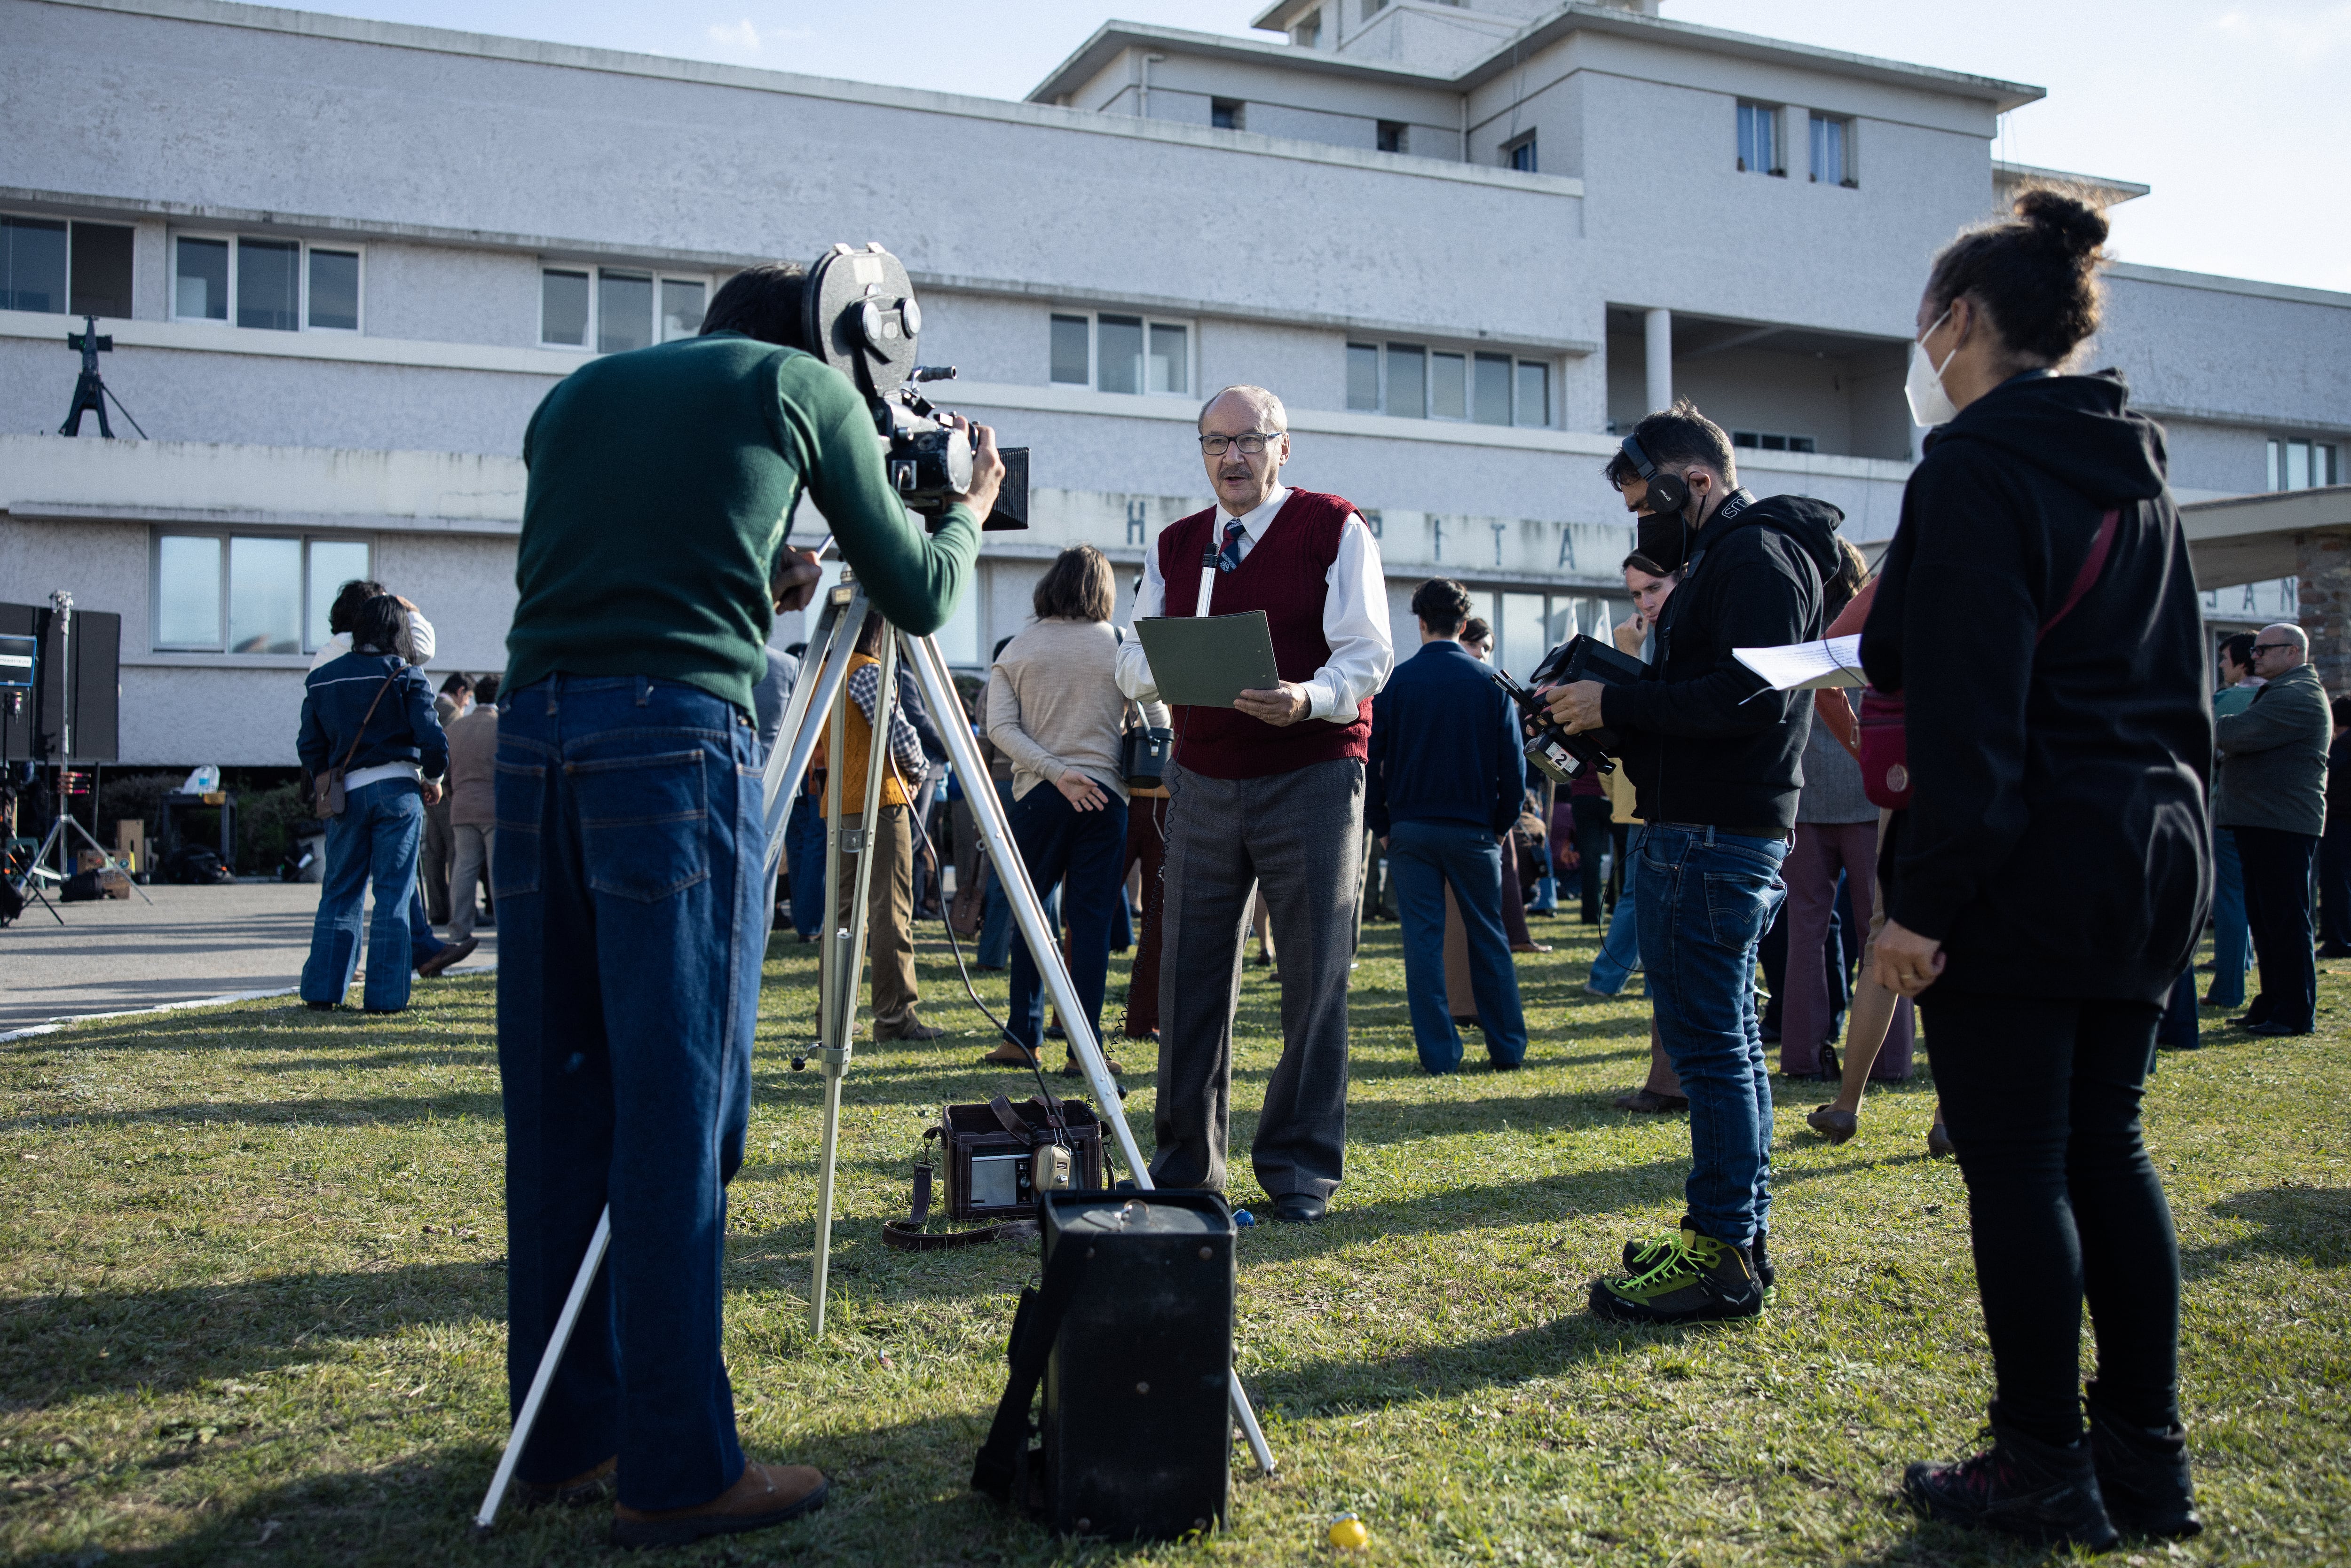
(1664, 537)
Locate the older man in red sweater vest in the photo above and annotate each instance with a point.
(1267, 794)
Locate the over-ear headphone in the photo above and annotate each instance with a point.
(1667, 493)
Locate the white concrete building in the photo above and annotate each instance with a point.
(343, 260)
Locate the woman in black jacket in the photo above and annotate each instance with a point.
(2039, 619)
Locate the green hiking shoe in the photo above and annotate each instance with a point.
(1640, 1256)
(1695, 1279)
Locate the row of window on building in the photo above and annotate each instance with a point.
(1766, 131)
(2304, 464)
(1414, 381)
(239, 593)
(52, 266)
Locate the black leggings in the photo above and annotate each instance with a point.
(2043, 1098)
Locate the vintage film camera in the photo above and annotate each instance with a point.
(863, 320)
(1550, 749)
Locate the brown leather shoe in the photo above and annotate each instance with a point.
(1530, 947)
(586, 1487)
(1648, 1100)
(766, 1495)
(1070, 1068)
(1008, 1055)
(1833, 1124)
(456, 953)
(1938, 1143)
(908, 1027)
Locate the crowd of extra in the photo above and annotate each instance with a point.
(2037, 731)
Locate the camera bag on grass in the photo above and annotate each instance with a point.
(1886, 743)
(1129, 1336)
(999, 1157)
(326, 789)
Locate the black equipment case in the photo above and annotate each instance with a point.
(1130, 1334)
(990, 1153)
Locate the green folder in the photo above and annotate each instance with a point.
(1205, 660)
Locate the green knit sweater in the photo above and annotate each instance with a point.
(661, 484)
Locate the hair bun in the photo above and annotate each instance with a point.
(2070, 224)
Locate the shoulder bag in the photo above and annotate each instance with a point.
(1885, 742)
(327, 788)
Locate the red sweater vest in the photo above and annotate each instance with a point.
(1282, 575)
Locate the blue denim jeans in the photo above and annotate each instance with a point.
(1620, 951)
(2232, 931)
(1084, 852)
(1424, 859)
(375, 839)
(804, 846)
(1707, 898)
(995, 910)
(631, 897)
(422, 943)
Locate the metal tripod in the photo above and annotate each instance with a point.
(821, 690)
(55, 843)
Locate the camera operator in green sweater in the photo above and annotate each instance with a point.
(629, 867)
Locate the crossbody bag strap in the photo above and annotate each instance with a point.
(2086, 579)
(344, 766)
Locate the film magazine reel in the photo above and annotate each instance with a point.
(819, 699)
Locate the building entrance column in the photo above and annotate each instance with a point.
(1658, 326)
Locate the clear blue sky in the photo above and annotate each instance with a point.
(2235, 113)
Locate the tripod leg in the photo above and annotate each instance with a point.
(1044, 945)
(954, 728)
(1258, 1449)
(823, 669)
(847, 943)
(528, 1415)
(111, 859)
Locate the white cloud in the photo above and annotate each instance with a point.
(2301, 34)
(737, 35)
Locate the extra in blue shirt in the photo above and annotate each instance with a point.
(1445, 746)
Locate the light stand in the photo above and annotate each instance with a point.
(56, 841)
(91, 391)
(30, 884)
(824, 673)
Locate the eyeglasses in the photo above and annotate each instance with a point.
(1252, 444)
(2269, 647)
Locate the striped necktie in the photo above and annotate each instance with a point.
(1229, 558)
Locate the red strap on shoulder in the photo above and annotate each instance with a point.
(2100, 548)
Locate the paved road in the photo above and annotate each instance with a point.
(115, 954)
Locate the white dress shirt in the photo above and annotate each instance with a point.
(1355, 615)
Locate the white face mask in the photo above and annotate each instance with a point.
(1930, 405)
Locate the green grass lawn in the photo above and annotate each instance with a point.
(251, 1303)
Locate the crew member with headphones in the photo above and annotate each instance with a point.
(1716, 757)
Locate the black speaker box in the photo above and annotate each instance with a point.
(1137, 1422)
(83, 653)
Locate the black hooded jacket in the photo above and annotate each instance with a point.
(1701, 745)
(2056, 843)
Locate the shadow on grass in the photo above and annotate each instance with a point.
(380, 1111)
(51, 1346)
(900, 1493)
(1345, 1387)
(2303, 1223)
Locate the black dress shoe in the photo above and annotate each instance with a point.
(2276, 1029)
(1300, 1207)
(2334, 951)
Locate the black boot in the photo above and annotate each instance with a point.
(2143, 1475)
(2020, 1485)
